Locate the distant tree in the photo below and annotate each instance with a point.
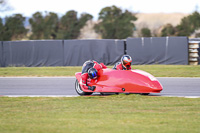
(67, 25)
(146, 32)
(70, 25)
(44, 27)
(188, 24)
(115, 24)
(3, 7)
(168, 30)
(83, 19)
(37, 25)
(50, 26)
(184, 28)
(14, 28)
(1, 30)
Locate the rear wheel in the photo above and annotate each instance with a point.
(102, 93)
(79, 90)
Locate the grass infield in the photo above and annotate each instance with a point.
(103, 114)
(156, 70)
(100, 114)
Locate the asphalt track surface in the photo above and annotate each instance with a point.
(64, 86)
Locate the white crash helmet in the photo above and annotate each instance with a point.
(126, 61)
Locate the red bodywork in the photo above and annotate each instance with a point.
(123, 81)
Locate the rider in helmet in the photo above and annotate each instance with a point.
(125, 63)
(90, 70)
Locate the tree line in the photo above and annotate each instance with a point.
(114, 23)
(43, 27)
(187, 26)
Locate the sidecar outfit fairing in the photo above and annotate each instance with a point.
(120, 81)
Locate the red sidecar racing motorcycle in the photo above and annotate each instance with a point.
(120, 81)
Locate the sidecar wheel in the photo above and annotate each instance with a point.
(79, 90)
(144, 93)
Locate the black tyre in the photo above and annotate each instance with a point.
(102, 93)
(144, 93)
(79, 90)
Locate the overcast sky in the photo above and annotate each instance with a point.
(93, 7)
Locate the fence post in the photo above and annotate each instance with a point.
(125, 50)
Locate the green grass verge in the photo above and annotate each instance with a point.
(100, 114)
(156, 70)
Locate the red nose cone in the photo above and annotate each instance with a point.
(156, 87)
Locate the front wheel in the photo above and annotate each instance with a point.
(79, 90)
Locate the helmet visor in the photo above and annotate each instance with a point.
(94, 75)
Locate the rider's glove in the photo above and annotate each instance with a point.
(92, 88)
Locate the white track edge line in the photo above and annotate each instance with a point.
(78, 96)
(38, 95)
